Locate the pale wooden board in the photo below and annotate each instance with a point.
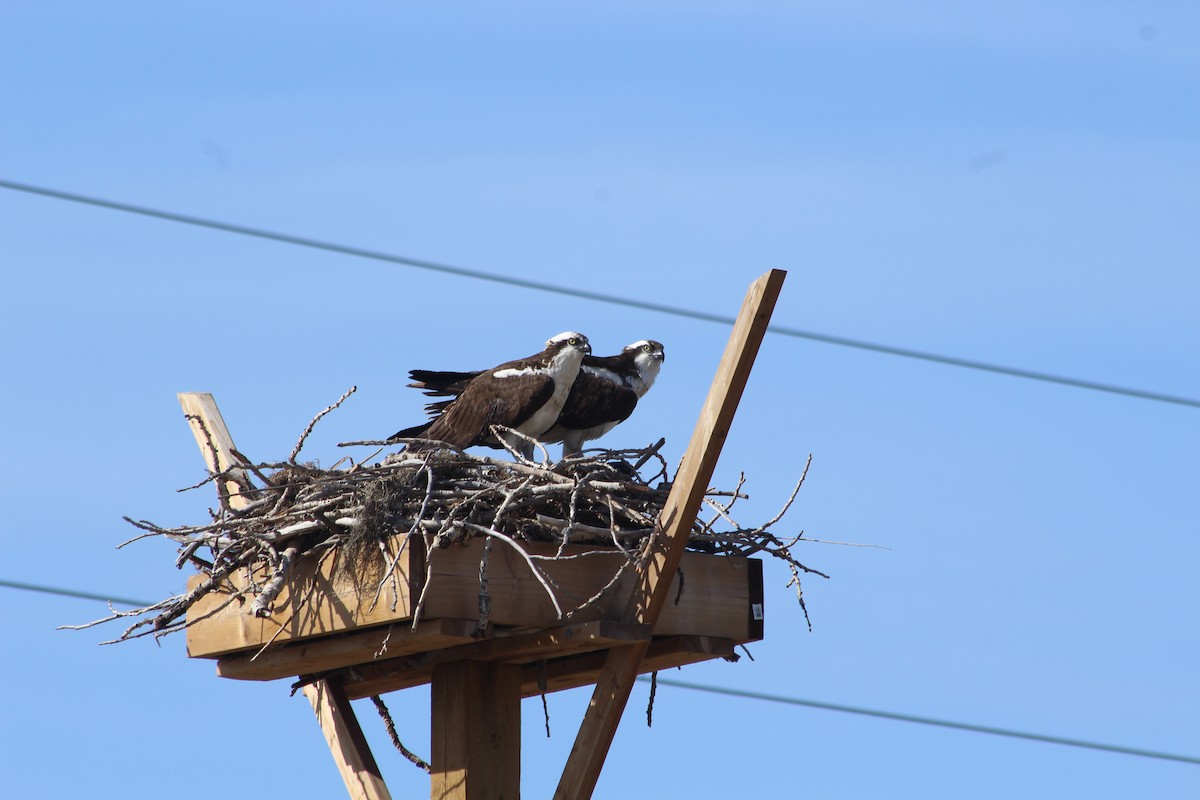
(523, 647)
(584, 669)
(346, 742)
(565, 670)
(334, 596)
(615, 681)
(365, 680)
(214, 441)
(377, 643)
(715, 601)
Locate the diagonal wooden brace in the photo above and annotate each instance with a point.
(615, 683)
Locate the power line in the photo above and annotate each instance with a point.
(941, 723)
(794, 701)
(600, 297)
(33, 587)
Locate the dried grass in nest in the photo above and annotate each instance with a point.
(291, 510)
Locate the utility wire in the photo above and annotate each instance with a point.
(941, 723)
(33, 587)
(600, 297)
(962, 726)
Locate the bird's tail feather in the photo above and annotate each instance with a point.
(415, 432)
(441, 383)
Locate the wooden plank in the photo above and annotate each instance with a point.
(475, 742)
(347, 650)
(216, 445)
(334, 594)
(346, 742)
(713, 601)
(565, 639)
(403, 673)
(621, 667)
(584, 669)
(557, 672)
(337, 596)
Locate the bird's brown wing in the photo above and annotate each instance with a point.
(594, 401)
(486, 401)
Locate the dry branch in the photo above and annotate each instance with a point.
(390, 725)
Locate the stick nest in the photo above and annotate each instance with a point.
(272, 514)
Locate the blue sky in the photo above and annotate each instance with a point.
(1009, 182)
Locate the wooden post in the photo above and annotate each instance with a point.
(334, 714)
(475, 746)
(615, 683)
(345, 738)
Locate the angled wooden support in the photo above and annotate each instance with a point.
(346, 741)
(621, 664)
(342, 732)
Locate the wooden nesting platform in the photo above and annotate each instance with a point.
(328, 621)
(328, 626)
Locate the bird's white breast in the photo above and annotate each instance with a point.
(564, 367)
(647, 371)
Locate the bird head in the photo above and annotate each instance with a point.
(572, 339)
(649, 356)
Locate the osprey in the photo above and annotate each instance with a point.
(526, 395)
(604, 394)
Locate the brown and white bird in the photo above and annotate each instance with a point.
(526, 395)
(605, 393)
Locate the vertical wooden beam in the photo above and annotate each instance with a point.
(346, 741)
(475, 749)
(342, 731)
(608, 702)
